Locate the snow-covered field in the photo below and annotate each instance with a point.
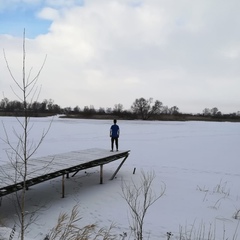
(199, 162)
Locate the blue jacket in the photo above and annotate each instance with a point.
(114, 131)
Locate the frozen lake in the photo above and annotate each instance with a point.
(188, 157)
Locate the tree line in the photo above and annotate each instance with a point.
(141, 108)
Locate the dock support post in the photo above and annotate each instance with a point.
(101, 174)
(115, 173)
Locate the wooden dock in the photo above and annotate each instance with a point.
(53, 166)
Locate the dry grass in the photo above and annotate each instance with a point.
(67, 228)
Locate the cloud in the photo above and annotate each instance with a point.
(106, 52)
(48, 14)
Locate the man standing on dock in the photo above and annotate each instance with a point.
(114, 134)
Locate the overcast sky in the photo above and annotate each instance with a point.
(184, 53)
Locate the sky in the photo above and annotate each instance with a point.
(184, 53)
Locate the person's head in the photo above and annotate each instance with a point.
(114, 121)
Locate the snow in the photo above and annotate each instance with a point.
(197, 161)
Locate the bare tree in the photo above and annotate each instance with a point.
(145, 109)
(211, 112)
(4, 103)
(139, 198)
(21, 154)
(174, 110)
(206, 112)
(118, 108)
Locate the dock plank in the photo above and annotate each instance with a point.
(52, 166)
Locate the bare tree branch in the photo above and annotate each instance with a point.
(139, 198)
(21, 154)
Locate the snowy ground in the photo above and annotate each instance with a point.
(198, 162)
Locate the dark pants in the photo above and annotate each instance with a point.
(116, 142)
